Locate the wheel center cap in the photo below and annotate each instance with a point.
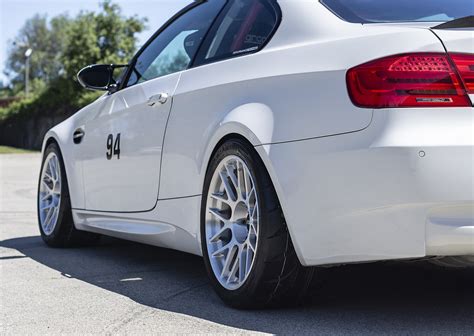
(240, 219)
(240, 231)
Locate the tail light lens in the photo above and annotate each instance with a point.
(465, 65)
(409, 80)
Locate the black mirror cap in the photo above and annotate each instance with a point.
(97, 77)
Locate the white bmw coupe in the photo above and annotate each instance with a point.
(274, 136)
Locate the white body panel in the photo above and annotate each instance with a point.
(171, 224)
(383, 193)
(279, 100)
(457, 40)
(135, 175)
(352, 184)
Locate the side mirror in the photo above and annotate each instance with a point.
(99, 77)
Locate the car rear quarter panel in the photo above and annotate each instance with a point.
(294, 89)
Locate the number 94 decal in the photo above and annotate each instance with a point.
(113, 147)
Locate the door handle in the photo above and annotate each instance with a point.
(160, 99)
(78, 136)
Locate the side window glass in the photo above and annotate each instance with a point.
(245, 27)
(175, 47)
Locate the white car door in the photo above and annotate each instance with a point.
(122, 143)
(122, 147)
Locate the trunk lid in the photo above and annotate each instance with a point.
(457, 40)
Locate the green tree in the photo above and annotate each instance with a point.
(47, 39)
(106, 37)
(63, 45)
(4, 89)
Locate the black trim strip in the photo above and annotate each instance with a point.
(342, 12)
(464, 22)
(137, 212)
(216, 19)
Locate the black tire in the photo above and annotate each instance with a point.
(277, 277)
(64, 234)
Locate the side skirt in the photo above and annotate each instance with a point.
(174, 224)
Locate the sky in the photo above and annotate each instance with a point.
(14, 13)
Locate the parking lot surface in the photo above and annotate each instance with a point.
(119, 287)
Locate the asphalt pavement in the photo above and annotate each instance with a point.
(124, 288)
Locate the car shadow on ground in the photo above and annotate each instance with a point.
(380, 297)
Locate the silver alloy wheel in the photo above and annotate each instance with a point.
(49, 196)
(232, 222)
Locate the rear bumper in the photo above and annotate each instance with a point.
(450, 230)
(402, 188)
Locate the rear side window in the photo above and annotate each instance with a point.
(367, 11)
(245, 26)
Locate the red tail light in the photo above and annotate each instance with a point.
(465, 65)
(409, 80)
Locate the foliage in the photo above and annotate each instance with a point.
(59, 98)
(5, 91)
(106, 37)
(61, 47)
(47, 39)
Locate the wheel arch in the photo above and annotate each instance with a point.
(52, 138)
(59, 136)
(263, 152)
(49, 139)
(260, 149)
(251, 122)
(224, 139)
